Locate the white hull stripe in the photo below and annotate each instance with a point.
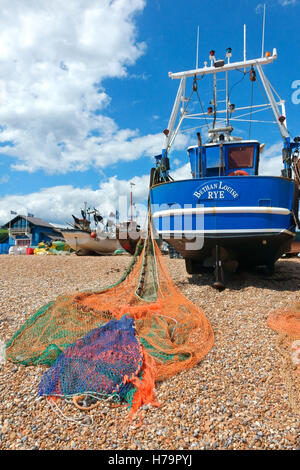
(250, 230)
(223, 210)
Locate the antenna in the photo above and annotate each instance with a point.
(197, 54)
(263, 33)
(244, 46)
(244, 43)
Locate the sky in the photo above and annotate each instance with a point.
(85, 93)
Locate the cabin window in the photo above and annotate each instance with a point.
(240, 157)
(213, 158)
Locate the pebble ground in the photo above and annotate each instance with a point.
(234, 399)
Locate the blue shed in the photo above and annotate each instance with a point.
(30, 231)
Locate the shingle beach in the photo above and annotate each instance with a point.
(235, 398)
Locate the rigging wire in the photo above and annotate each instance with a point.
(244, 74)
(195, 89)
(202, 109)
(233, 119)
(223, 120)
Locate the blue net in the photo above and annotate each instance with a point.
(99, 364)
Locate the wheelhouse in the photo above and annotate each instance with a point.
(213, 160)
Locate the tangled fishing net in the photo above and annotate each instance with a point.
(286, 322)
(116, 342)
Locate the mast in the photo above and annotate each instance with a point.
(179, 98)
(245, 43)
(197, 54)
(280, 119)
(226, 67)
(131, 208)
(263, 32)
(215, 68)
(215, 101)
(227, 101)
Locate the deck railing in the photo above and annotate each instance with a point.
(14, 231)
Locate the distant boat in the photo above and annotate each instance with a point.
(84, 245)
(128, 235)
(88, 242)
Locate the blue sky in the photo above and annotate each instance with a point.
(85, 92)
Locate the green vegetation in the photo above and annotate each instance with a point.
(3, 235)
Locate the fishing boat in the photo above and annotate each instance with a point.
(129, 232)
(226, 214)
(87, 242)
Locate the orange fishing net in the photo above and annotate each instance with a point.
(173, 332)
(286, 322)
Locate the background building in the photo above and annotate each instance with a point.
(29, 231)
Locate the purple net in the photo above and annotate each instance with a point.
(99, 364)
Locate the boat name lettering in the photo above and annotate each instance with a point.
(216, 190)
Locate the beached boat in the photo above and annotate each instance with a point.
(85, 245)
(128, 235)
(226, 214)
(88, 242)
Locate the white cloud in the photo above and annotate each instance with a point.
(287, 2)
(271, 160)
(274, 3)
(182, 173)
(58, 203)
(4, 179)
(259, 8)
(53, 59)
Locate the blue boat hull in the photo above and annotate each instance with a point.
(252, 219)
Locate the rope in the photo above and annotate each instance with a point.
(61, 415)
(244, 74)
(296, 168)
(84, 408)
(251, 108)
(221, 161)
(77, 398)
